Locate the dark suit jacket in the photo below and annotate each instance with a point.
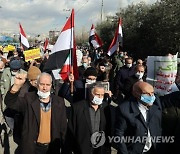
(171, 123)
(79, 129)
(128, 85)
(130, 122)
(29, 106)
(120, 77)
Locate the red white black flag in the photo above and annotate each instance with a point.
(23, 40)
(117, 40)
(46, 44)
(63, 55)
(94, 39)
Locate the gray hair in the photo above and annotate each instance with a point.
(96, 85)
(43, 74)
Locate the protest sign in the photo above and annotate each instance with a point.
(162, 73)
(9, 48)
(32, 54)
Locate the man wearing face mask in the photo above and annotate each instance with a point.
(83, 67)
(130, 81)
(88, 117)
(44, 122)
(140, 118)
(90, 76)
(7, 79)
(126, 71)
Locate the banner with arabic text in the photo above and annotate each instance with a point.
(161, 73)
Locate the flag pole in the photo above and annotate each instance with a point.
(71, 52)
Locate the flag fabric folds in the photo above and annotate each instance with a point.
(117, 40)
(94, 39)
(23, 40)
(46, 44)
(63, 55)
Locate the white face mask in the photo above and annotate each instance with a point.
(97, 101)
(14, 73)
(129, 65)
(43, 95)
(139, 75)
(90, 81)
(85, 65)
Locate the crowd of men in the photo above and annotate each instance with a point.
(34, 114)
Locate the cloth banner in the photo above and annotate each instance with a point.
(161, 74)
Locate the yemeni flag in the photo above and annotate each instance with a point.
(63, 55)
(117, 40)
(23, 40)
(46, 44)
(94, 39)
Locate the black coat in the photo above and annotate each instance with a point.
(128, 85)
(171, 123)
(123, 74)
(119, 79)
(29, 106)
(79, 129)
(130, 122)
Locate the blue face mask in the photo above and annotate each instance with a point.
(148, 99)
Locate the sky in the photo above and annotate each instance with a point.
(41, 16)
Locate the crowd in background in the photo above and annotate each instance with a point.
(68, 130)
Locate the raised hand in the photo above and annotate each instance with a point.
(19, 81)
(71, 77)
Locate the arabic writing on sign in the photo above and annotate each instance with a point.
(170, 67)
(166, 75)
(162, 71)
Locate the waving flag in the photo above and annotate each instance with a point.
(23, 40)
(117, 40)
(63, 55)
(46, 44)
(94, 39)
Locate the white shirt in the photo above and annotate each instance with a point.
(144, 110)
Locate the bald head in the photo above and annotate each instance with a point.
(141, 87)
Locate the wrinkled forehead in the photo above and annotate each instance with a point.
(45, 79)
(98, 90)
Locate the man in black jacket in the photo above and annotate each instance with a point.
(140, 118)
(44, 122)
(124, 72)
(89, 120)
(130, 81)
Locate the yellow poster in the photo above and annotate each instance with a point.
(32, 54)
(9, 48)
